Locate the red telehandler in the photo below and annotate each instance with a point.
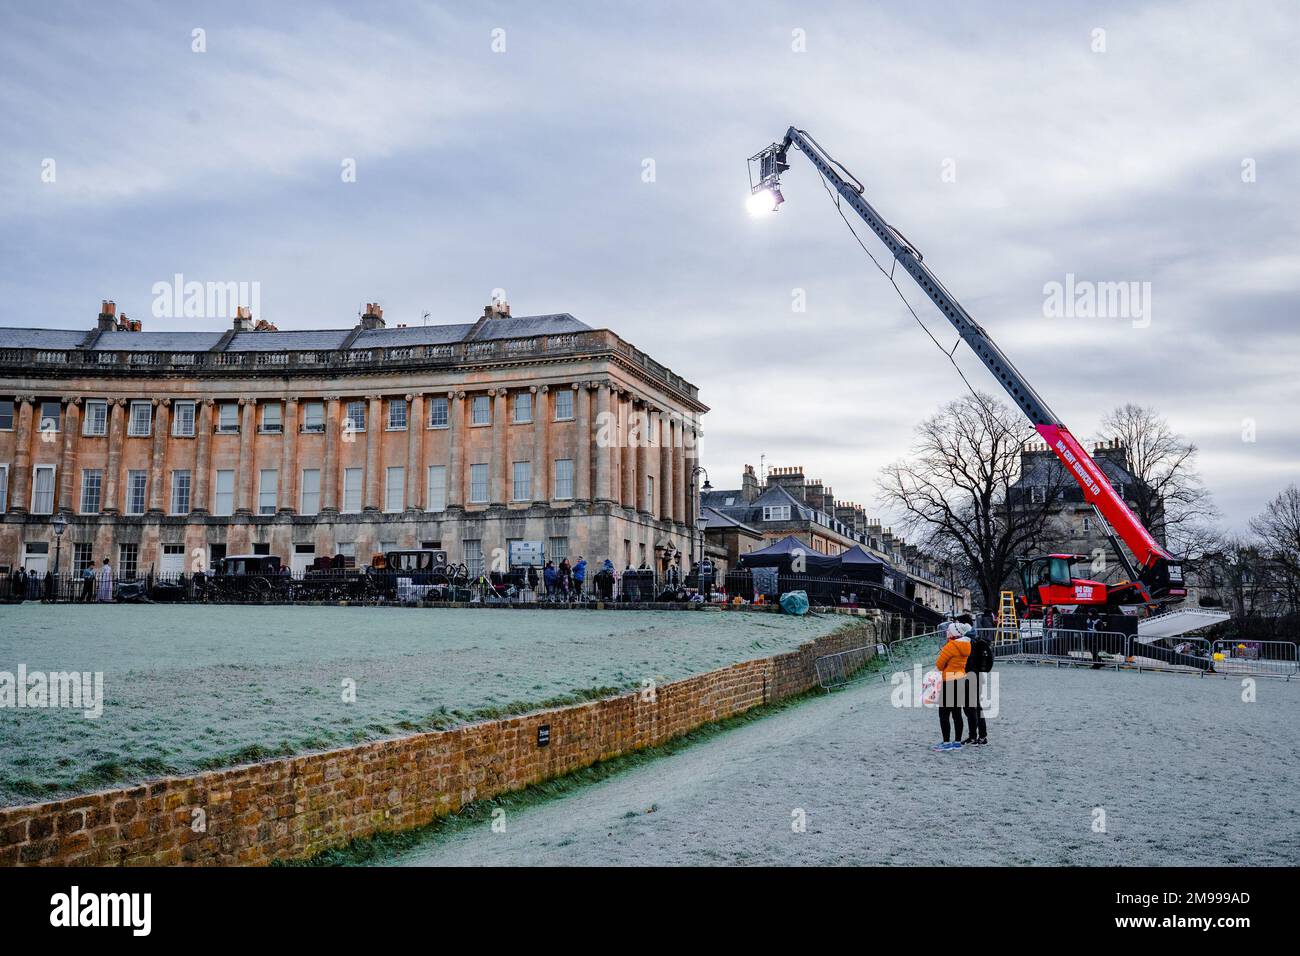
(1049, 582)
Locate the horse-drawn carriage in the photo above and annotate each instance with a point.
(417, 574)
(245, 579)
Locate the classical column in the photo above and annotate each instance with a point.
(158, 454)
(68, 458)
(541, 458)
(203, 455)
(644, 433)
(113, 471)
(247, 465)
(666, 512)
(456, 454)
(582, 441)
(618, 488)
(330, 466)
(603, 491)
(373, 480)
(414, 448)
(643, 502)
(500, 492)
(627, 452)
(20, 479)
(679, 472)
(690, 485)
(289, 457)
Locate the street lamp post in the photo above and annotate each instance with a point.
(60, 526)
(699, 508)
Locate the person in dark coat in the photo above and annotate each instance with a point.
(564, 579)
(605, 580)
(548, 578)
(980, 661)
(579, 576)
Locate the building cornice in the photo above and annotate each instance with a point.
(547, 351)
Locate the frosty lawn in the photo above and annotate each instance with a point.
(1184, 771)
(188, 688)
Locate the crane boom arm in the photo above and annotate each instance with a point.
(1158, 571)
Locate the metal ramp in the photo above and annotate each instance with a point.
(1176, 622)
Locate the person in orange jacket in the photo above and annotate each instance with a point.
(951, 665)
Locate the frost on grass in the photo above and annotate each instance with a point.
(1184, 770)
(189, 688)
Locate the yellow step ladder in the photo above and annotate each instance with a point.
(1008, 628)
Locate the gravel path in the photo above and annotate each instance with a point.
(187, 687)
(1185, 772)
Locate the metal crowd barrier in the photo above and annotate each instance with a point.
(1079, 648)
(1255, 658)
(839, 669)
(1247, 658)
(909, 648)
(836, 670)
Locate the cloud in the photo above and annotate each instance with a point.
(524, 170)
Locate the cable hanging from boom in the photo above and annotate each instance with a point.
(949, 354)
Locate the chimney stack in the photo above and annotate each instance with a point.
(373, 317)
(243, 319)
(108, 316)
(749, 484)
(790, 478)
(498, 309)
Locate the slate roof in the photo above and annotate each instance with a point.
(153, 341)
(316, 340)
(1044, 469)
(41, 338)
(518, 326)
(751, 512)
(413, 335)
(313, 340)
(713, 518)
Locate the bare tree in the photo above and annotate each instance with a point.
(1278, 531)
(956, 487)
(1233, 570)
(1167, 496)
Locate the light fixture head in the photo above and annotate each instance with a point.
(764, 200)
(765, 169)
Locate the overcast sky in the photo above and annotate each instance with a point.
(1003, 142)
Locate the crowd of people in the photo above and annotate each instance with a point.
(565, 582)
(96, 586)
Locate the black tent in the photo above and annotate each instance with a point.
(782, 555)
(790, 565)
(828, 579)
(861, 565)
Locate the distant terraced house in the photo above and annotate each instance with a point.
(786, 504)
(168, 450)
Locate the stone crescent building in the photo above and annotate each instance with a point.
(167, 450)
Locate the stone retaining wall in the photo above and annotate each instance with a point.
(295, 807)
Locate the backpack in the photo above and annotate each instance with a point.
(981, 656)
